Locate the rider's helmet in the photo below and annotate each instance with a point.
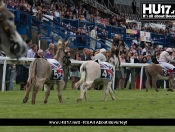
(169, 50)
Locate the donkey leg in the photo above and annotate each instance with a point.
(147, 80)
(27, 88)
(105, 86)
(47, 92)
(85, 86)
(83, 91)
(60, 86)
(110, 90)
(154, 80)
(39, 84)
(170, 84)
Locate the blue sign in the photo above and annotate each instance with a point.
(49, 39)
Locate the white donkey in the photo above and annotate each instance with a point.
(98, 74)
(10, 41)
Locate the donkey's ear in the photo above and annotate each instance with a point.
(60, 41)
(68, 41)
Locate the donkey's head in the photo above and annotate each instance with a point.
(10, 41)
(62, 54)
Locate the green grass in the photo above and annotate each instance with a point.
(129, 104)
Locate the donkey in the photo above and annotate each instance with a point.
(91, 73)
(41, 72)
(10, 41)
(156, 72)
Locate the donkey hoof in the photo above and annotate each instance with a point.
(157, 90)
(170, 89)
(45, 102)
(24, 100)
(78, 100)
(113, 99)
(33, 102)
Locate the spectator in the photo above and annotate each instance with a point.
(75, 73)
(31, 52)
(94, 36)
(144, 60)
(85, 55)
(39, 54)
(122, 72)
(148, 59)
(79, 38)
(50, 53)
(103, 34)
(101, 55)
(39, 16)
(128, 70)
(66, 69)
(22, 71)
(134, 6)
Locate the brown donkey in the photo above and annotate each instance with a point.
(155, 72)
(41, 72)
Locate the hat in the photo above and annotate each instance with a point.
(102, 50)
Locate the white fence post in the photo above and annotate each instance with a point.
(164, 84)
(4, 73)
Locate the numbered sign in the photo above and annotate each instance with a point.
(106, 70)
(104, 73)
(57, 71)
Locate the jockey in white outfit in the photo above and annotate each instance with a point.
(165, 56)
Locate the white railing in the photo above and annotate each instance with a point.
(22, 60)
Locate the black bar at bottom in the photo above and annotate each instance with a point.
(87, 122)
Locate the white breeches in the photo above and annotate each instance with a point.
(166, 65)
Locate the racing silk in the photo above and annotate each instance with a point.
(165, 57)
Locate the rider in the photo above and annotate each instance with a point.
(165, 57)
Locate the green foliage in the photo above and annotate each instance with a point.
(129, 104)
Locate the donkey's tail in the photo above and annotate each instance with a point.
(83, 76)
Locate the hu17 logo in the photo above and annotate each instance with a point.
(157, 11)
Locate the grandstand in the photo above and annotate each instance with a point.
(62, 27)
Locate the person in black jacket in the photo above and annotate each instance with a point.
(39, 54)
(85, 55)
(134, 6)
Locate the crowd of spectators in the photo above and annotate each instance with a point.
(137, 53)
(83, 12)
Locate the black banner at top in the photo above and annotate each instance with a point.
(157, 11)
(87, 122)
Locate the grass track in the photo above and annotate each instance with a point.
(129, 104)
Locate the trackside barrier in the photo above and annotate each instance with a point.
(23, 61)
